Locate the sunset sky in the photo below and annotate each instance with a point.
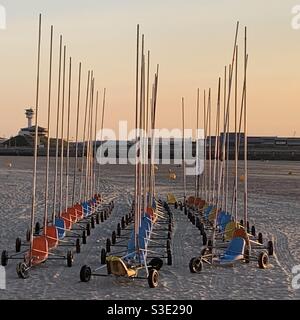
(192, 41)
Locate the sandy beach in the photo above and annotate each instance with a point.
(273, 208)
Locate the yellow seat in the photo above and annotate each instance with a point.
(118, 267)
(171, 198)
(230, 229)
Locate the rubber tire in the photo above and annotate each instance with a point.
(176, 205)
(185, 210)
(153, 278)
(103, 256)
(83, 237)
(242, 222)
(85, 274)
(260, 238)
(92, 222)
(201, 228)
(37, 228)
(123, 226)
(270, 248)
(78, 246)
(97, 218)
(156, 263)
(102, 217)
(196, 265)
(108, 245)
(197, 223)
(28, 235)
(88, 229)
(248, 227)
(204, 239)
(69, 259)
(127, 220)
(169, 258)
(113, 238)
(253, 231)
(191, 265)
(105, 215)
(22, 270)
(18, 245)
(169, 236)
(119, 230)
(4, 258)
(263, 260)
(170, 227)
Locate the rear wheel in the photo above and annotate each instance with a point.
(18, 244)
(169, 258)
(270, 248)
(119, 230)
(28, 235)
(102, 217)
(69, 259)
(88, 229)
(113, 238)
(204, 239)
(85, 274)
(156, 263)
(263, 260)
(168, 244)
(22, 270)
(84, 237)
(153, 278)
(260, 238)
(196, 265)
(247, 255)
(103, 256)
(108, 245)
(97, 218)
(4, 258)
(78, 246)
(37, 228)
(123, 223)
(93, 223)
(253, 231)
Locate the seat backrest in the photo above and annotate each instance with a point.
(241, 233)
(61, 227)
(236, 247)
(117, 266)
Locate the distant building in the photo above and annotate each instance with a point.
(30, 129)
(2, 140)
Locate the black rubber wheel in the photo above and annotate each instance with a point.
(92, 222)
(169, 235)
(119, 230)
(170, 227)
(185, 210)
(260, 238)
(85, 274)
(126, 219)
(18, 244)
(197, 223)
(102, 216)
(108, 245)
(103, 256)
(193, 220)
(4, 258)
(175, 205)
(204, 239)
(153, 278)
(180, 206)
(22, 270)
(156, 263)
(247, 255)
(78, 246)
(69, 259)
(253, 231)
(248, 227)
(88, 229)
(28, 234)
(196, 265)
(242, 222)
(169, 258)
(37, 228)
(113, 238)
(270, 248)
(201, 228)
(209, 244)
(263, 260)
(105, 215)
(123, 226)
(84, 237)
(97, 218)
(168, 244)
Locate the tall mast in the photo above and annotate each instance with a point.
(183, 158)
(245, 133)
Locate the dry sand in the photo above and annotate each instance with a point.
(273, 207)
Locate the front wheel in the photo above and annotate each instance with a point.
(103, 256)
(4, 258)
(22, 270)
(263, 260)
(69, 259)
(270, 248)
(153, 278)
(85, 274)
(196, 265)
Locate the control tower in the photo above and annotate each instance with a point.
(29, 115)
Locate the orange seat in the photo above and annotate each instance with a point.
(72, 212)
(241, 233)
(151, 213)
(197, 202)
(201, 204)
(68, 221)
(39, 251)
(51, 235)
(191, 201)
(78, 211)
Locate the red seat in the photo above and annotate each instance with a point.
(51, 235)
(78, 211)
(68, 220)
(39, 251)
(72, 212)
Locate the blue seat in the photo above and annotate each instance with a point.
(207, 211)
(234, 252)
(61, 228)
(224, 220)
(86, 209)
